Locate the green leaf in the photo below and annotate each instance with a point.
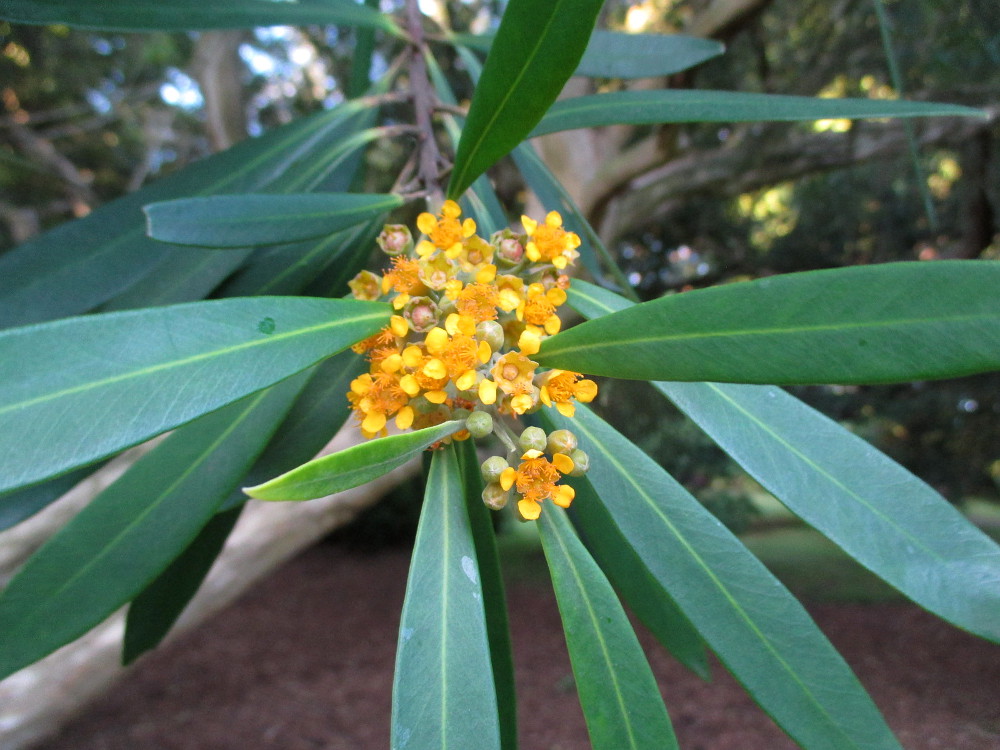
(22, 504)
(83, 263)
(182, 15)
(80, 389)
(864, 324)
(537, 48)
(618, 693)
(638, 588)
(130, 532)
(191, 273)
(685, 105)
(156, 609)
(288, 268)
(616, 54)
(321, 409)
(878, 512)
(494, 596)
(242, 220)
(758, 629)
(353, 466)
(613, 54)
(442, 694)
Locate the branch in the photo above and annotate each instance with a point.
(423, 105)
(742, 166)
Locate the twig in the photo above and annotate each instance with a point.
(423, 106)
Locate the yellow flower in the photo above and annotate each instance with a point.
(445, 231)
(436, 272)
(376, 398)
(539, 310)
(366, 285)
(476, 254)
(536, 479)
(559, 387)
(479, 302)
(549, 242)
(512, 372)
(404, 276)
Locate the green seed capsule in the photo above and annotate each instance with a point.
(581, 462)
(561, 441)
(494, 496)
(492, 468)
(492, 333)
(479, 424)
(533, 438)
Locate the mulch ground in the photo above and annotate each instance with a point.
(305, 661)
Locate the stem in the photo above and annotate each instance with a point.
(423, 106)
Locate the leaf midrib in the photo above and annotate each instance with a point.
(598, 632)
(715, 580)
(477, 144)
(741, 333)
(173, 364)
(152, 506)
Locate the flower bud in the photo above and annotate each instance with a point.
(494, 496)
(561, 441)
(581, 463)
(509, 247)
(422, 314)
(492, 333)
(479, 424)
(492, 468)
(395, 239)
(533, 438)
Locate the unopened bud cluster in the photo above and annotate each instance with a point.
(470, 313)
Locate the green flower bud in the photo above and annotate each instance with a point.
(366, 285)
(494, 496)
(533, 438)
(493, 467)
(479, 424)
(509, 247)
(581, 463)
(492, 333)
(395, 239)
(422, 314)
(561, 441)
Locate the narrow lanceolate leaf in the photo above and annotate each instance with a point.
(637, 587)
(352, 467)
(183, 15)
(22, 504)
(677, 105)
(755, 626)
(319, 412)
(442, 694)
(537, 48)
(620, 698)
(494, 596)
(76, 390)
(130, 532)
(615, 54)
(878, 512)
(865, 324)
(242, 220)
(83, 263)
(156, 609)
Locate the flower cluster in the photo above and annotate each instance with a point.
(469, 314)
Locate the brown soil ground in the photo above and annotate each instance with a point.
(305, 661)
